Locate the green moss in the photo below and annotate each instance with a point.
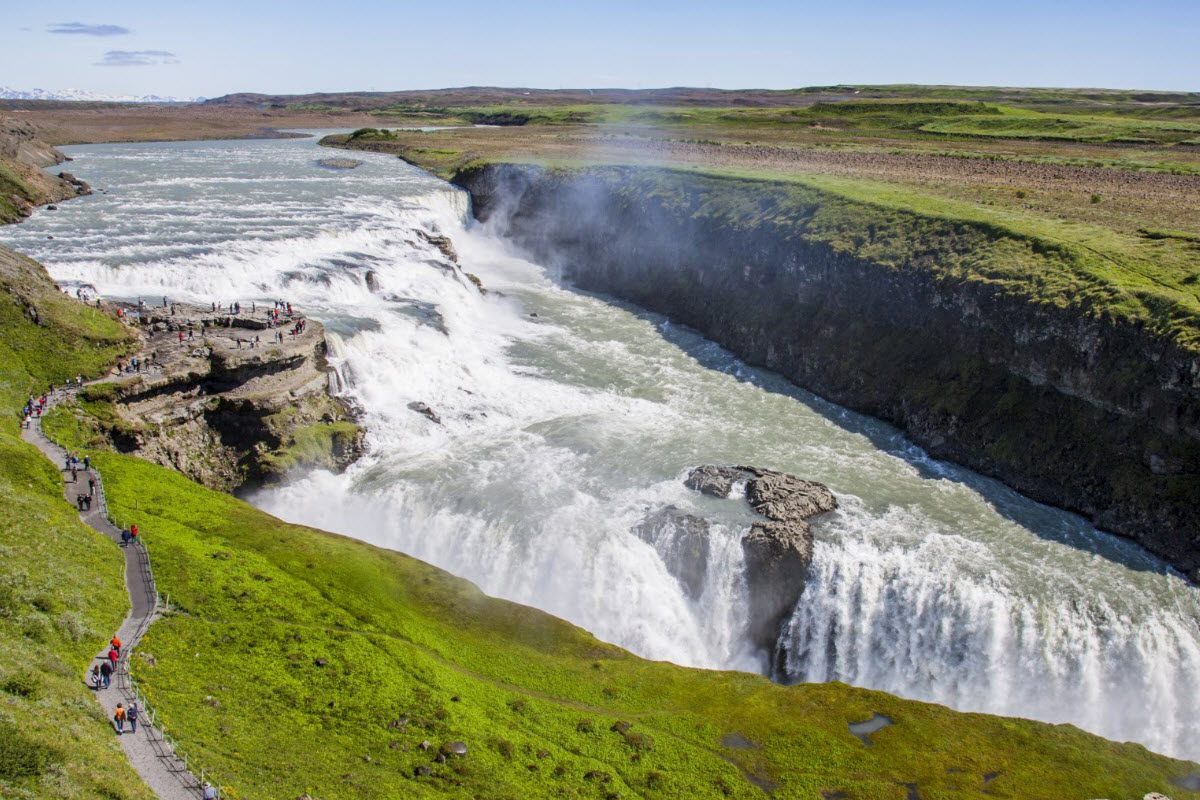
(319, 445)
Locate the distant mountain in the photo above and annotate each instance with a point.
(85, 96)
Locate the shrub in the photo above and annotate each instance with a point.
(23, 684)
(1095, 199)
(364, 132)
(20, 756)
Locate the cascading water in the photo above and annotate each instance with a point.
(567, 422)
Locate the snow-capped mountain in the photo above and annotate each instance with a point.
(83, 95)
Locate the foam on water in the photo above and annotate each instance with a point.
(559, 433)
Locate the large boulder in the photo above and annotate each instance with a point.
(682, 543)
(777, 551)
(784, 498)
(713, 481)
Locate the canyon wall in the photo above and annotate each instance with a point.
(913, 320)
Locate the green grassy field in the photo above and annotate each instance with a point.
(62, 593)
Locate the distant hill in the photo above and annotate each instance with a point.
(689, 96)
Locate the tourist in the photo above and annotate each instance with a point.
(119, 717)
(181, 337)
(87, 462)
(94, 677)
(209, 793)
(113, 658)
(132, 715)
(105, 673)
(91, 487)
(116, 644)
(124, 537)
(133, 532)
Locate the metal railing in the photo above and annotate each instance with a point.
(165, 746)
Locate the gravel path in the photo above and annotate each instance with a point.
(166, 775)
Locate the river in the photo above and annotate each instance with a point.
(567, 418)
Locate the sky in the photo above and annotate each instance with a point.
(188, 48)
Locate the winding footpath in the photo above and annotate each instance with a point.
(147, 750)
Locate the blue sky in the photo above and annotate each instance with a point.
(210, 48)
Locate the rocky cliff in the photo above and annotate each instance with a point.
(23, 181)
(227, 404)
(900, 317)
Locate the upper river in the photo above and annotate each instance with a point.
(567, 418)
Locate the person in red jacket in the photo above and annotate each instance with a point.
(113, 655)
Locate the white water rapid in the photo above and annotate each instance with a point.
(567, 419)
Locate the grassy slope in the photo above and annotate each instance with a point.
(260, 601)
(61, 590)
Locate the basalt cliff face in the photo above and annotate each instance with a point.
(1072, 407)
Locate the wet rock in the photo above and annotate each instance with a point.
(372, 281)
(81, 187)
(338, 163)
(777, 552)
(785, 498)
(713, 481)
(777, 556)
(682, 543)
(425, 745)
(442, 243)
(398, 723)
(543, 754)
(52, 207)
(455, 749)
(440, 758)
(425, 410)
(321, 662)
(422, 771)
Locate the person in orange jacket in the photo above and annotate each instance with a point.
(116, 644)
(119, 717)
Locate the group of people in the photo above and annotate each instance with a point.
(102, 673)
(136, 364)
(129, 535)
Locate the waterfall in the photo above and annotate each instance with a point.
(553, 476)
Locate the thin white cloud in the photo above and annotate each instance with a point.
(136, 58)
(88, 30)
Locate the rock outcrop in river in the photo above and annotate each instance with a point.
(1065, 401)
(777, 550)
